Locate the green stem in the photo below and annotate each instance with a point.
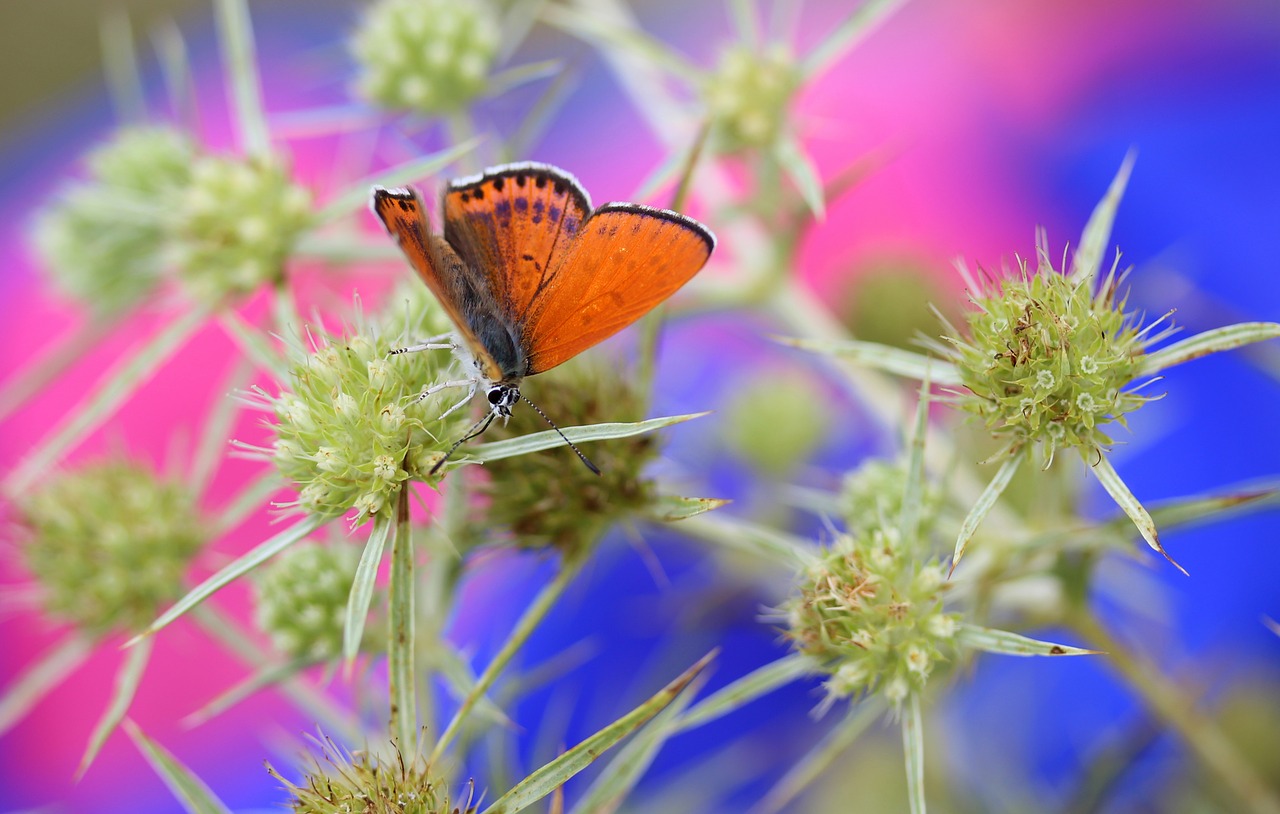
(404, 708)
(1199, 732)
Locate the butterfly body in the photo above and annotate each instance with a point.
(531, 275)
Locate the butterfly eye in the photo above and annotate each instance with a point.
(496, 395)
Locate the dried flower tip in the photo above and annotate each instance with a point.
(344, 783)
(102, 240)
(426, 56)
(237, 222)
(109, 544)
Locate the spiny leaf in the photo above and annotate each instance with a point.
(195, 796)
(362, 586)
(554, 774)
(538, 441)
(1012, 644)
(1214, 341)
(241, 566)
(1111, 481)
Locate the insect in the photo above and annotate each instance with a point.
(531, 275)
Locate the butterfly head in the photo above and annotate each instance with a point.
(502, 397)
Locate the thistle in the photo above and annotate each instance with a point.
(548, 501)
(345, 782)
(109, 544)
(871, 614)
(1050, 359)
(353, 427)
(236, 224)
(748, 96)
(301, 600)
(426, 56)
(103, 240)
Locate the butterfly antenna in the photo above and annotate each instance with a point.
(477, 429)
(584, 458)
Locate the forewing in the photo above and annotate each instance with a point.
(626, 259)
(515, 223)
(439, 266)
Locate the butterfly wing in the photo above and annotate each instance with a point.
(439, 266)
(625, 259)
(515, 223)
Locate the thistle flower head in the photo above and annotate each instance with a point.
(346, 783)
(872, 615)
(102, 240)
(549, 499)
(426, 56)
(301, 600)
(872, 496)
(351, 426)
(109, 544)
(748, 96)
(236, 224)
(1047, 360)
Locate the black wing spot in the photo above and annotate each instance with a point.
(560, 187)
(479, 193)
(520, 179)
(466, 196)
(540, 182)
(526, 256)
(497, 184)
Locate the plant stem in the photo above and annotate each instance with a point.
(1199, 732)
(404, 709)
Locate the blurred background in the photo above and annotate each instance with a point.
(988, 120)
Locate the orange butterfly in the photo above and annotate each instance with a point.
(531, 275)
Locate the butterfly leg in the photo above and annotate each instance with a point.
(441, 342)
(470, 384)
(471, 391)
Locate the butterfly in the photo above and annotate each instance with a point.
(531, 275)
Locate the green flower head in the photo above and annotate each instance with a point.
(301, 600)
(103, 239)
(872, 615)
(748, 96)
(352, 426)
(1050, 362)
(237, 222)
(426, 56)
(109, 544)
